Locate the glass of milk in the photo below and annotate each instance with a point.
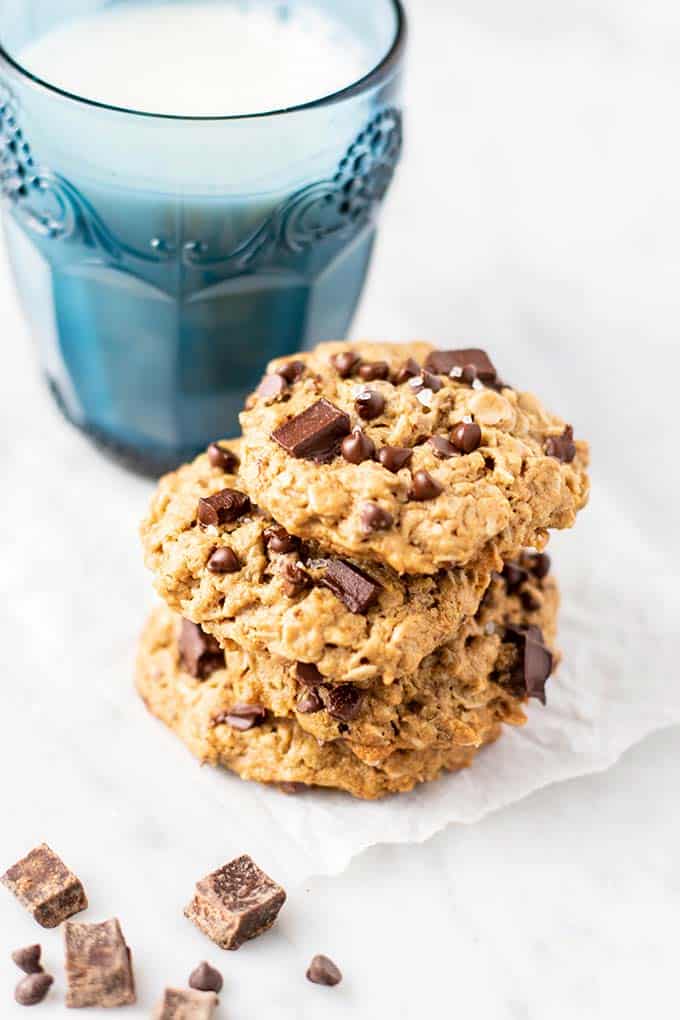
(190, 187)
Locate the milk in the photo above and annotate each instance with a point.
(200, 59)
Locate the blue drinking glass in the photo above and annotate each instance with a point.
(162, 260)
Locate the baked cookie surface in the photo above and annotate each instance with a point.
(408, 456)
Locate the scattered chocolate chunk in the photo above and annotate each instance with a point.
(44, 885)
(308, 674)
(442, 448)
(562, 447)
(242, 717)
(279, 541)
(425, 381)
(356, 590)
(344, 702)
(537, 564)
(272, 386)
(425, 486)
(98, 966)
(309, 702)
(221, 457)
(409, 370)
(394, 458)
(357, 447)
(292, 789)
(346, 363)
(323, 971)
(370, 370)
(293, 371)
(530, 602)
(28, 959)
(369, 404)
(467, 437)
(514, 576)
(224, 561)
(455, 363)
(206, 978)
(535, 661)
(374, 518)
(186, 1004)
(235, 903)
(32, 989)
(224, 507)
(294, 579)
(200, 653)
(315, 434)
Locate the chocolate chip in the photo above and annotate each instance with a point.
(562, 447)
(32, 989)
(355, 589)
(221, 457)
(28, 959)
(394, 458)
(374, 518)
(426, 381)
(442, 448)
(425, 486)
(369, 404)
(309, 702)
(294, 579)
(224, 561)
(224, 507)
(370, 370)
(467, 437)
(344, 702)
(537, 564)
(345, 363)
(199, 653)
(98, 966)
(44, 885)
(308, 674)
(235, 903)
(455, 363)
(278, 540)
(535, 662)
(272, 386)
(293, 371)
(206, 978)
(315, 434)
(408, 370)
(323, 971)
(357, 447)
(242, 717)
(514, 576)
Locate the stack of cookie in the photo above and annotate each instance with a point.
(355, 592)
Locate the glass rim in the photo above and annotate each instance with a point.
(375, 75)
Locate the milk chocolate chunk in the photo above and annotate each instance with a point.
(28, 959)
(394, 458)
(221, 457)
(315, 434)
(235, 903)
(186, 1004)
(357, 447)
(224, 507)
(425, 486)
(345, 363)
(272, 386)
(344, 702)
(46, 887)
(355, 589)
(242, 717)
(374, 518)
(98, 966)
(206, 978)
(534, 662)
(32, 989)
(323, 971)
(562, 447)
(455, 364)
(199, 653)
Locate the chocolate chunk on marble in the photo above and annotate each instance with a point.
(224, 507)
(28, 959)
(458, 363)
(315, 434)
(98, 966)
(32, 989)
(205, 978)
(352, 586)
(220, 457)
(186, 1004)
(199, 653)
(45, 886)
(322, 971)
(235, 903)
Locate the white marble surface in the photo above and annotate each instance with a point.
(537, 211)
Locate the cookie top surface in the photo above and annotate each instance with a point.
(221, 562)
(408, 456)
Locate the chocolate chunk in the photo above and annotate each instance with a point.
(186, 1004)
(467, 437)
(309, 702)
(221, 457)
(32, 989)
(344, 701)
(355, 589)
(294, 579)
(98, 965)
(374, 518)
(224, 507)
(308, 674)
(44, 885)
(315, 434)
(272, 386)
(537, 564)
(370, 370)
(28, 959)
(369, 404)
(425, 486)
(241, 717)
(293, 371)
(323, 971)
(535, 662)
(235, 903)
(562, 447)
(199, 653)
(530, 602)
(455, 363)
(224, 561)
(278, 540)
(514, 576)
(357, 447)
(394, 458)
(409, 370)
(425, 381)
(442, 448)
(206, 978)
(346, 363)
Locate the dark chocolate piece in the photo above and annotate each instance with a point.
(357, 447)
(278, 540)
(514, 576)
(293, 371)
(44, 885)
(309, 702)
(242, 717)
(315, 434)
(442, 448)
(425, 381)
(394, 458)
(467, 437)
(369, 404)
(370, 370)
(294, 579)
(272, 386)
(374, 518)
(32, 989)
(323, 971)
(425, 486)
(530, 602)
(454, 363)
(186, 1004)
(223, 561)
(308, 674)
(355, 589)
(535, 662)
(98, 965)
(345, 363)
(221, 457)
(224, 507)
(562, 447)
(235, 903)
(206, 978)
(409, 370)
(537, 564)
(28, 959)
(199, 653)
(344, 701)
